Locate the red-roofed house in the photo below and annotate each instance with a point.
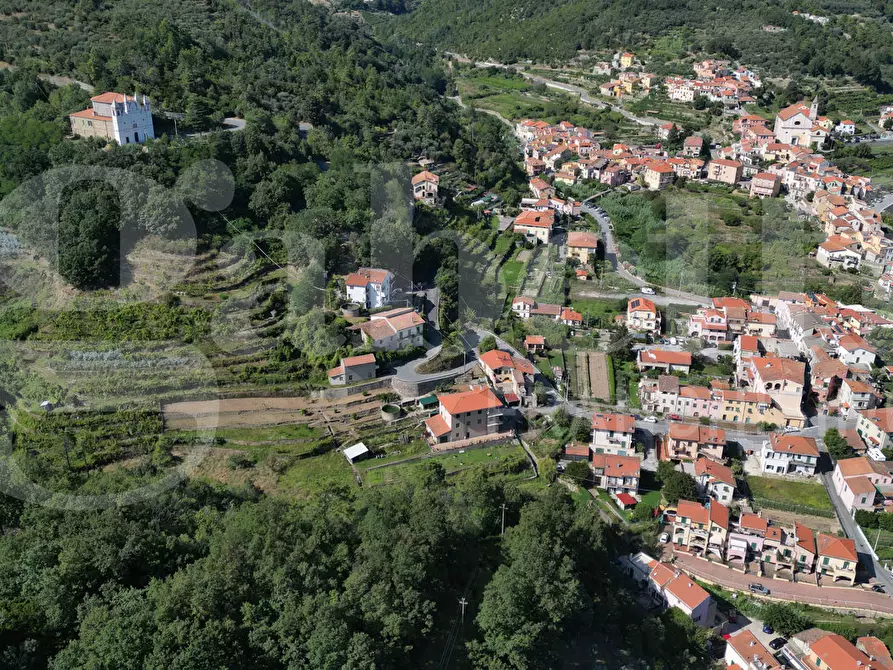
(535, 225)
(468, 414)
(616, 474)
(508, 373)
(613, 434)
(856, 481)
(353, 369)
(392, 330)
(764, 185)
(784, 453)
(370, 287)
(689, 441)
(675, 589)
(875, 427)
(837, 558)
(582, 244)
(658, 175)
(699, 529)
(724, 170)
(715, 480)
(662, 359)
(535, 343)
(748, 653)
(643, 316)
(855, 351)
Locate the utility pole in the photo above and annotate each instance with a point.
(502, 530)
(876, 540)
(463, 603)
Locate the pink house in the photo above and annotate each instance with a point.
(856, 481)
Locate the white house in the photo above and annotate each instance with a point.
(613, 434)
(715, 480)
(115, 116)
(855, 351)
(846, 127)
(370, 287)
(839, 252)
(785, 454)
(673, 588)
(748, 653)
(392, 330)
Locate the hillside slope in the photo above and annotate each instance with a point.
(856, 41)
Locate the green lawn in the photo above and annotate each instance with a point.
(503, 242)
(511, 272)
(652, 498)
(488, 456)
(807, 494)
(269, 433)
(316, 474)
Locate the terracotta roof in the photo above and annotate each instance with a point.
(768, 176)
(876, 648)
(535, 340)
(697, 392)
(692, 510)
(437, 425)
(576, 449)
(568, 314)
(659, 166)
(582, 240)
(641, 305)
(534, 219)
(696, 433)
(426, 176)
(774, 369)
(111, 96)
(725, 162)
(618, 423)
(685, 590)
(719, 514)
(792, 111)
(621, 466)
(793, 444)
(837, 653)
(364, 276)
(693, 141)
(748, 343)
(836, 547)
(748, 647)
(668, 384)
(364, 359)
(753, 522)
(860, 486)
(469, 401)
(854, 343)
(882, 418)
(714, 470)
(496, 359)
(664, 357)
(90, 114)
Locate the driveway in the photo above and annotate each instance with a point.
(782, 590)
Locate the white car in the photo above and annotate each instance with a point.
(664, 538)
(647, 290)
(650, 419)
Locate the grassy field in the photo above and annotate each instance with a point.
(496, 458)
(511, 273)
(808, 494)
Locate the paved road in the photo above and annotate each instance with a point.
(883, 203)
(799, 592)
(611, 255)
(866, 557)
(656, 299)
(491, 112)
(233, 124)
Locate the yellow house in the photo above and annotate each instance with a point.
(837, 558)
(582, 245)
(627, 59)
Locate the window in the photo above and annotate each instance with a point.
(846, 565)
(825, 562)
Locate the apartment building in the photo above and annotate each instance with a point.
(468, 414)
(783, 380)
(764, 185)
(613, 434)
(689, 442)
(715, 480)
(875, 427)
(724, 171)
(616, 474)
(837, 558)
(658, 175)
(784, 454)
(856, 395)
(700, 529)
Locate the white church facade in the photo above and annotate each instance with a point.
(115, 116)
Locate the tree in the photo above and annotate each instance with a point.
(578, 471)
(679, 486)
(664, 470)
(89, 243)
(643, 511)
(785, 619)
(562, 418)
(488, 343)
(837, 444)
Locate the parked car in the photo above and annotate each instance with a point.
(758, 588)
(675, 417)
(877, 588)
(647, 290)
(768, 629)
(777, 643)
(650, 419)
(664, 538)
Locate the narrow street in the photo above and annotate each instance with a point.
(827, 596)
